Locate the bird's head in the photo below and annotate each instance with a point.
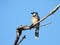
(34, 13)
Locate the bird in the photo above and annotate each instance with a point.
(35, 19)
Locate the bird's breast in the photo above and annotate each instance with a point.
(34, 20)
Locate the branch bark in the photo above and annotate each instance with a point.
(25, 27)
(52, 12)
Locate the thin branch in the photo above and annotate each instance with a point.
(21, 39)
(52, 12)
(45, 24)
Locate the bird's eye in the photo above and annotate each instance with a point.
(34, 15)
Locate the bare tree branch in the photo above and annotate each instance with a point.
(25, 27)
(18, 34)
(52, 12)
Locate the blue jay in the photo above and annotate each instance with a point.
(35, 19)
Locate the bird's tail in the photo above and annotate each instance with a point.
(37, 33)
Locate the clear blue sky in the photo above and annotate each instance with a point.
(17, 12)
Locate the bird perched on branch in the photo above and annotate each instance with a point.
(35, 19)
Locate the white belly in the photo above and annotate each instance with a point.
(34, 20)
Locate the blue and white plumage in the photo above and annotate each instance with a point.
(35, 19)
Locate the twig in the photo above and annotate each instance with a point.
(45, 24)
(52, 12)
(21, 39)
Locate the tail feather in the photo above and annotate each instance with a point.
(37, 33)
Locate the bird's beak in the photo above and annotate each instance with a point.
(31, 13)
